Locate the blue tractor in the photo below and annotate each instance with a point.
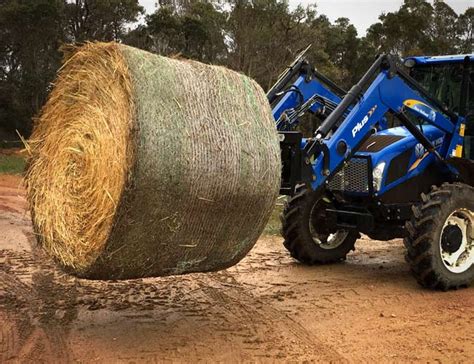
(392, 158)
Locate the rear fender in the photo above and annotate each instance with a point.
(465, 168)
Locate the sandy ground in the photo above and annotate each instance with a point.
(267, 308)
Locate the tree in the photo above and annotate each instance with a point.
(403, 32)
(342, 46)
(419, 28)
(265, 35)
(30, 34)
(444, 29)
(161, 34)
(104, 20)
(465, 30)
(192, 29)
(203, 31)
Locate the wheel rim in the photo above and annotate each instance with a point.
(456, 242)
(332, 241)
(326, 241)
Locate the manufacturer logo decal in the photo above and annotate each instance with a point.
(358, 127)
(421, 108)
(419, 150)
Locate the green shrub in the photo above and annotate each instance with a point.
(274, 224)
(11, 164)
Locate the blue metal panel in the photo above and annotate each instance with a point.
(397, 94)
(426, 60)
(419, 159)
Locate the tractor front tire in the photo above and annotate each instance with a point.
(302, 229)
(439, 240)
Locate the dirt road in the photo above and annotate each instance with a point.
(267, 308)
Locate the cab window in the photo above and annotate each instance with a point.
(443, 81)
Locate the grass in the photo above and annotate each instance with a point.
(11, 164)
(274, 224)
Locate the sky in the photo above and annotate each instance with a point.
(361, 13)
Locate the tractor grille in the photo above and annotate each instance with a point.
(354, 177)
(376, 143)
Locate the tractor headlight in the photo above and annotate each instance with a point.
(377, 175)
(409, 63)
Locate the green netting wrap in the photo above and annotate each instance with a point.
(144, 166)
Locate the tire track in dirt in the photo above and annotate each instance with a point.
(270, 327)
(9, 338)
(30, 298)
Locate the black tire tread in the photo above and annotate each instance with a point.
(421, 237)
(295, 223)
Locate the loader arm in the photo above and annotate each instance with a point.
(386, 87)
(299, 89)
(304, 95)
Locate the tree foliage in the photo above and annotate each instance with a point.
(420, 27)
(193, 29)
(31, 34)
(257, 37)
(100, 19)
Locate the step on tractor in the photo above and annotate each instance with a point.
(392, 158)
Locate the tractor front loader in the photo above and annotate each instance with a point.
(356, 175)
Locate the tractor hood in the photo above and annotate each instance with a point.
(397, 155)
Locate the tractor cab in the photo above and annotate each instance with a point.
(450, 79)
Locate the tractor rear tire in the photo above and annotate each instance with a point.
(298, 229)
(439, 240)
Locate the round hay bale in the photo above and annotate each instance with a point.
(142, 165)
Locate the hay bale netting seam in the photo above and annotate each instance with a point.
(145, 166)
